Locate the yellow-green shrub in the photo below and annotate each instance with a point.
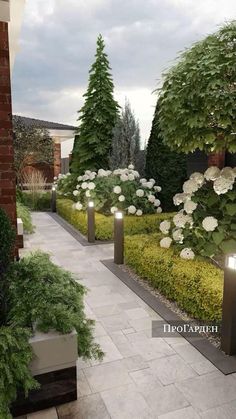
(104, 223)
(195, 285)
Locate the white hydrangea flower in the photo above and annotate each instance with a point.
(117, 189)
(55, 178)
(78, 206)
(131, 176)
(198, 178)
(157, 202)
(131, 209)
(140, 193)
(151, 198)
(117, 172)
(87, 193)
(181, 219)
(228, 173)
(79, 178)
(212, 173)
(68, 174)
(157, 188)
(190, 206)
(84, 185)
(159, 210)
(166, 242)
(180, 198)
(187, 253)
(148, 185)
(121, 198)
(124, 177)
(222, 185)
(209, 223)
(165, 226)
(131, 167)
(139, 213)
(75, 192)
(85, 177)
(92, 175)
(136, 173)
(190, 186)
(73, 206)
(91, 186)
(178, 235)
(114, 209)
(152, 180)
(77, 186)
(102, 173)
(143, 180)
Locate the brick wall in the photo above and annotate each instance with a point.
(217, 159)
(7, 174)
(57, 159)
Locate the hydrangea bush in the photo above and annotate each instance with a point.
(206, 222)
(121, 189)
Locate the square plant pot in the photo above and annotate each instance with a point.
(54, 367)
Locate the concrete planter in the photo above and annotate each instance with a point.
(54, 366)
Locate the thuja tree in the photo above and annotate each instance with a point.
(197, 102)
(31, 146)
(97, 117)
(167, 167)
(126, 140)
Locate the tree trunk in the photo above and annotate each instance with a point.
(217, 159)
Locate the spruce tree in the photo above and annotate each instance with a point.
(167, 167)
(126, 139)
(97, 118)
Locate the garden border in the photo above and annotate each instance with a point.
(226, 364)
(76, 233)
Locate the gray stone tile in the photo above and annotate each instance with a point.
(128, 331)
(98, 330)
(209, 390)
(83, 388)
(136, 313)
(186, 413)
(189, 353)
(105, 376)
(227, 411)
(171, 369)
(203, 367)
(134, 363)
(145, 380)
(110, 350)
(107, 310)
(165, 399)
(115, 322)
(44, 414)
(126, 402)
(90, 407)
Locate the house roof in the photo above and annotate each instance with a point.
(39, 123)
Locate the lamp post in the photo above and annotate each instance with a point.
(91, 222)
(228, 331)
(54, 199)
(119, 238)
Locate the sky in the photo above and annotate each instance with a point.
(143, 38)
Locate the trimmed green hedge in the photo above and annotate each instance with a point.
(104, 223)
(195, 285)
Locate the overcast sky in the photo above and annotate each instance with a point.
(143, 38)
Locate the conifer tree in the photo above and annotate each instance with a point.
(98, 116)
(126, 139)
(167, 167)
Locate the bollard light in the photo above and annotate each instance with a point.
(54, 199)
(119, 238)
(91, 222)
(228, 330)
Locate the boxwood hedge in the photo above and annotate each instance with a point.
(104, 224)
(195, 285)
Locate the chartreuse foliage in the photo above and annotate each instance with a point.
(195, 285)
(167, 167)
(104, 224)
(197, 100)
(97, 117)
(24, 213)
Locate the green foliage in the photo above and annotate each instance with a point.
(126, 140)
(167, 167)
(15, 357)
(7, 239)
(31, 145)
(24, 213)
(104, 224)
(47, 296)
(195, 285)
(197, 101)
(98, 117)
(40, 201)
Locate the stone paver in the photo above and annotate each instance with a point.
(140, 377)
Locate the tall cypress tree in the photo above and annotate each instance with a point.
(97, 118)
(126, 139)
(167, 167)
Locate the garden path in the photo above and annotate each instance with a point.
(140, 377)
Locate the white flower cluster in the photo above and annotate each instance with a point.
(146, 189)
